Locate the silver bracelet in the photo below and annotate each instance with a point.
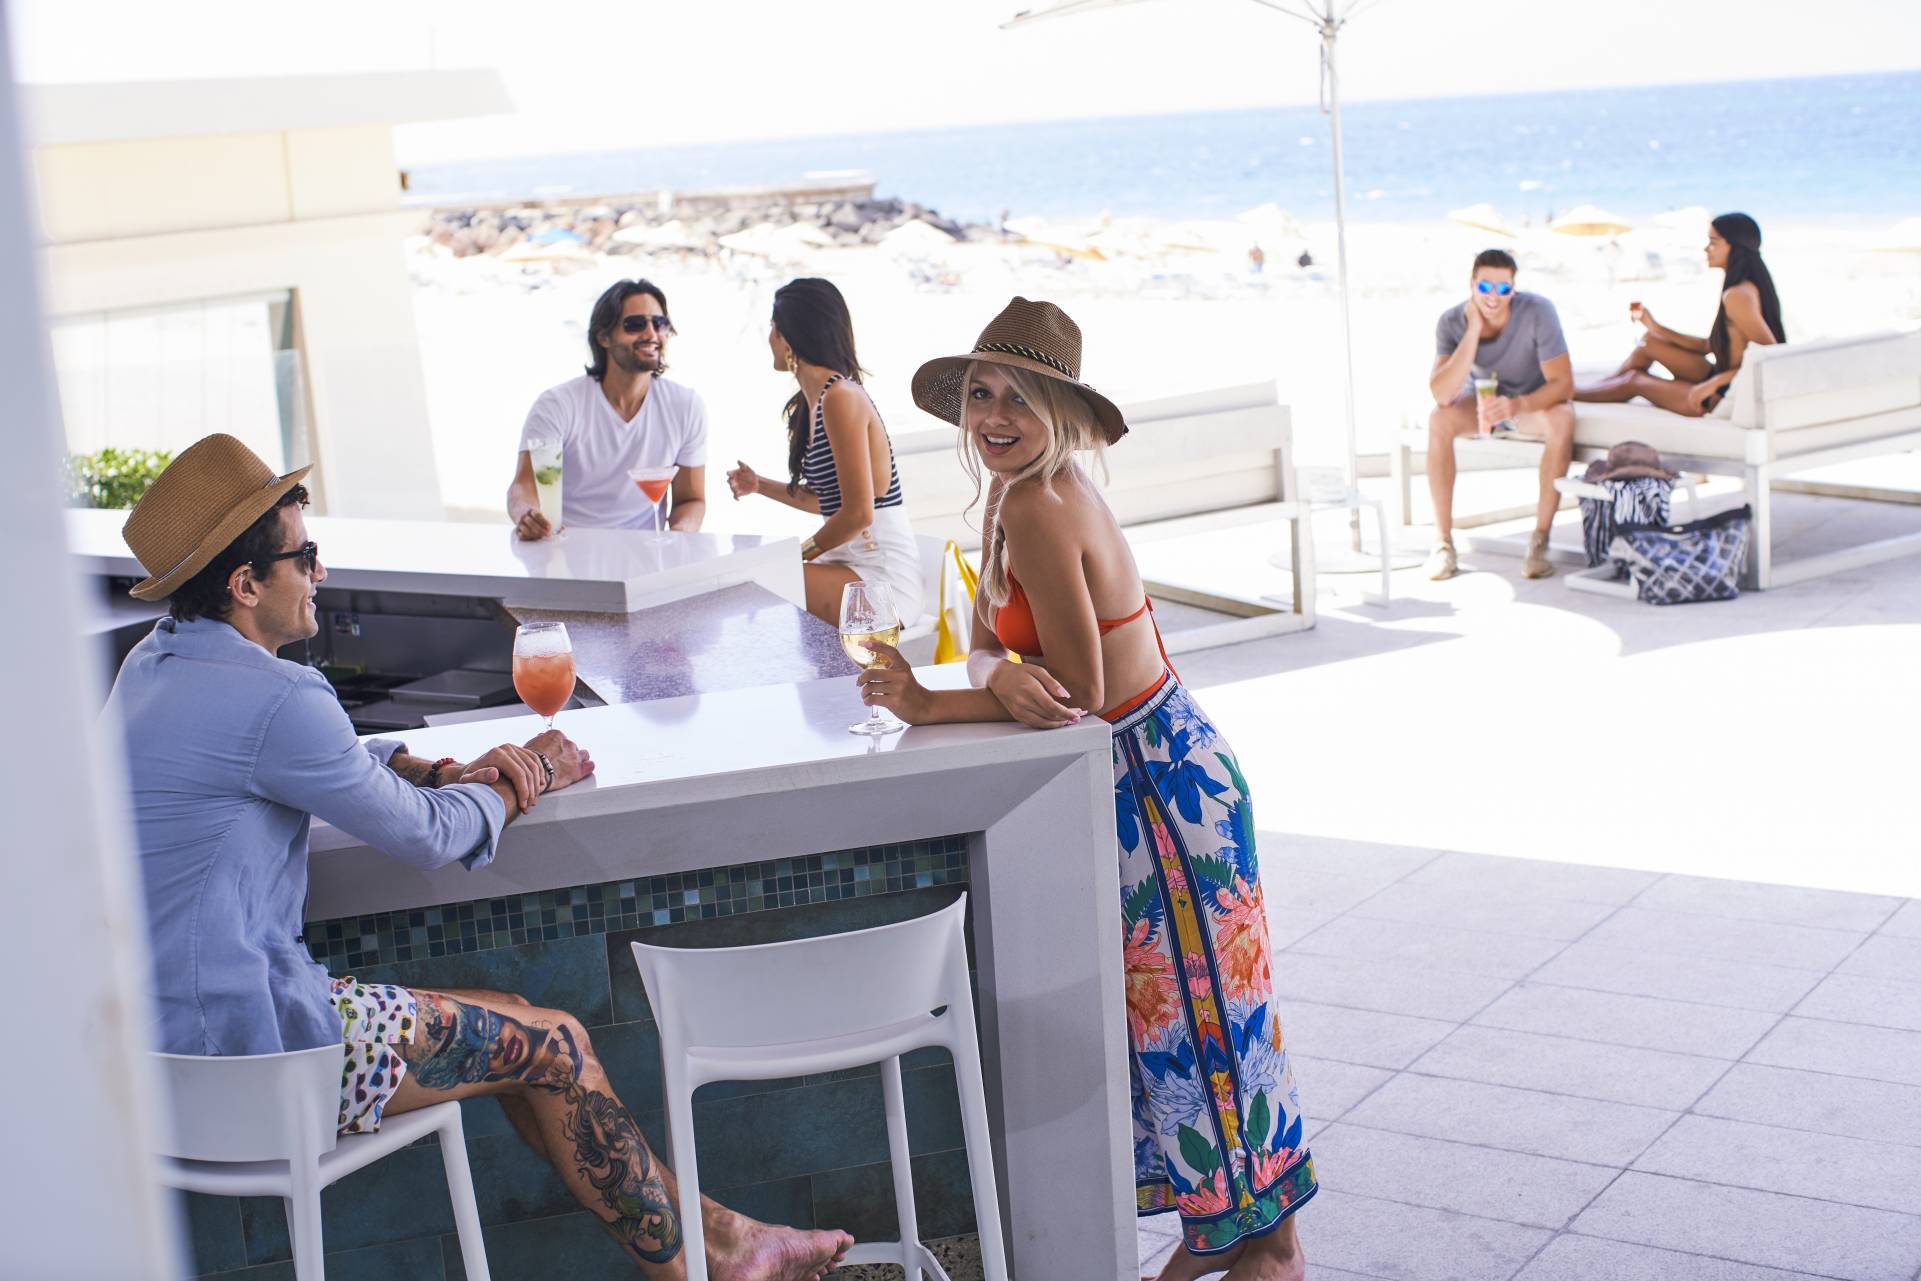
(549, 767)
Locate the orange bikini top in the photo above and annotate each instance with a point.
(1014, 621)
(1014, 628)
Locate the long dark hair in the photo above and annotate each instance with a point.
(607, 315)
(811, 315)
(1743, 235)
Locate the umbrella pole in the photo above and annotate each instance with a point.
(1330, 31)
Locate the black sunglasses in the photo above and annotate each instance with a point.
(306, 557)
(638, 324)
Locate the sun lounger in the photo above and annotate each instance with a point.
(1792, 408)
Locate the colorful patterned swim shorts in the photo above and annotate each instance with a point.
(374, 1017)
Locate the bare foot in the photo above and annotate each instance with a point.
(1274, 1257)
(1183, 1266)
(746, 1250)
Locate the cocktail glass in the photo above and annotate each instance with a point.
(546, 456)
(543, 667)
(1485, 388)
(654, 483)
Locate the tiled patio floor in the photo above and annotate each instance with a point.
(1554, 1072)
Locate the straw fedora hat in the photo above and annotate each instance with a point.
(1036, 336)
(204, 500)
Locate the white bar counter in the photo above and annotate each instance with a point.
(607, 571)
(711, 780)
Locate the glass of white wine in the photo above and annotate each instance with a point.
(867, 614)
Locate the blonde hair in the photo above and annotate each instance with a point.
(1071, 428)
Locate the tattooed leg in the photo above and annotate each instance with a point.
(610, 1154)
(542, 1067)
(463, 1043)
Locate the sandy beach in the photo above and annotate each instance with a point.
(495, 333)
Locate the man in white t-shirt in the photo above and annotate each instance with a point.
(621, 415)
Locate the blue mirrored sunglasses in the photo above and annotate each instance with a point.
(1489, 287)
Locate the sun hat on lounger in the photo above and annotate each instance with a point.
(204, 500)
(1627, 460)
(1036, 336)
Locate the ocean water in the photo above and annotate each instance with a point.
(1844, 148)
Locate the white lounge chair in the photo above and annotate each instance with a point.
(1792, 408)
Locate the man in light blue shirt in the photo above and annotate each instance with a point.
(231, 751)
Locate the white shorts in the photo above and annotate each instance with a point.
(885, 552)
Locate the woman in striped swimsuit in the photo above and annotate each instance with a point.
(840, 462)
(1217, 1122)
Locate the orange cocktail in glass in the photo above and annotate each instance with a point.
(653, 483)
(543, 668)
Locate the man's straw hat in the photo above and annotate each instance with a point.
(1036, 336)
(204, 500)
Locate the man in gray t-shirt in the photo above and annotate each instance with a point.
(1507, 346)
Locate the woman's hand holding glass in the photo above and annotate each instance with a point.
(1032, 696)
(890, 684)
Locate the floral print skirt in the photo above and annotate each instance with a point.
(374, 1017)
(1217, 1120)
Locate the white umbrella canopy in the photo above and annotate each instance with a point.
(1588, 220)
(919, 238)
(1902, 238)
(669, 235)
(804, 235)
(1483, 217)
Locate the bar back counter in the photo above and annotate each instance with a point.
(730, 805)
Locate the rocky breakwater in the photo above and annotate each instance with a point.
(642, 225)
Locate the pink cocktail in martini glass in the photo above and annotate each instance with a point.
(653, 483)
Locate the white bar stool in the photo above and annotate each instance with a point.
(263, 1125)
(820, 1005)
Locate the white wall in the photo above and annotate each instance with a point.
(75, 1197)
(172, 220)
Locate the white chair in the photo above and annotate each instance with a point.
(920, 620)
(821, 1005)
(263, 1125)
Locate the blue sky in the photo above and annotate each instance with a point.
(624, 74)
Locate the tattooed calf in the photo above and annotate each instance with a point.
(613, 1157)
(458, 1043)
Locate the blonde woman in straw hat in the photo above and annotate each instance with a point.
(231, 751)
(1217, 1120)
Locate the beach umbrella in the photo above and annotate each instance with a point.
(669, 235)
(528, 251)
(1327, 17)
(803, 235)
(1586, 220)
(1482, 217)
(1062, 240)
(1902, 238)
(916, 237)
(757, 240)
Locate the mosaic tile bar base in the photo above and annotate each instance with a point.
(358, 942)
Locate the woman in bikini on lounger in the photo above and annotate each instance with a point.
(1702, 368)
